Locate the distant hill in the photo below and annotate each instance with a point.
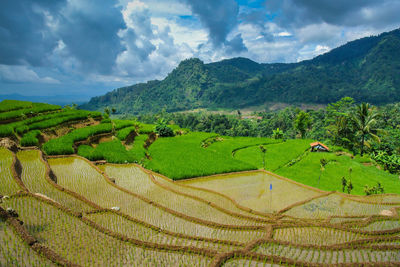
(55, 100)
(366, 69)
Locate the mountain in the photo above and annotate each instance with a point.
(55, 100)
(366, 69)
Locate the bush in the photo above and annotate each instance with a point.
(164, 131)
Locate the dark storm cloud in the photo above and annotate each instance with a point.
(24, 33)
(31, 30)
(235, 45)
(218, 16)
(297, 13)
(89, 30)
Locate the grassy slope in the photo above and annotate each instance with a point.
(276, 156)
(307, 170)
(183, 157)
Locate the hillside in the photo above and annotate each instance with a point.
(366, 69)
(65, 202)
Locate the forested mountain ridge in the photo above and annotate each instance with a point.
(366, 69)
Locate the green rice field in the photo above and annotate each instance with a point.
(85, 196)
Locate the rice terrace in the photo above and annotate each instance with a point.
(211, 133)
(80, 189)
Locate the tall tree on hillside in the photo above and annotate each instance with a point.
(365, 124)
(339, 123)
(302, 123)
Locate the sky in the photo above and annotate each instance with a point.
(89, 47)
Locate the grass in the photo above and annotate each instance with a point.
(229, 145)
(6, 130)
(307, 171)
(146, 128)
(30, 138)
(30, 111)
(123, 134)
(183, 157)
(10, 105)
(120, 124)
(114, 151)
(64, 144)
(277, 155)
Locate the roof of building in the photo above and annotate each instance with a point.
(318, 143)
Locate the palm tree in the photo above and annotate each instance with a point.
(365, 121)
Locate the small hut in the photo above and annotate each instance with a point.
(318, 147)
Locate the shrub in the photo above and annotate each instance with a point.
(377, 189)
(163, 130)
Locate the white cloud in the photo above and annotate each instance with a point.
(192, 36)
(20, 74)
(284, 34)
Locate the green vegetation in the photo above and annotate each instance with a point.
(120, 124)
(365, 69)
(10, 105)
(307, 169)
(64, 145)
(277, 155)
(167, 156)
(162, 129)
(115, 152)
(6, 130)
(36, 108)
(123, 134)
(30, 138)
(146, 128)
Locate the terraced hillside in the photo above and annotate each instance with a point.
(60, 208)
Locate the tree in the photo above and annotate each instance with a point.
(263, 150)
(277, 134)
(339, 123)
(344, 183)
(322, 162)
(113, 110)
(349, 187)
(302, 123)
(365, 121)
(162, 129)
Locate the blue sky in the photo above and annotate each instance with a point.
(89, 47)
